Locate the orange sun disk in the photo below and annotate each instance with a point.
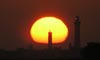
(39, 30)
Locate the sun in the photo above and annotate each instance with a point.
(39, 30)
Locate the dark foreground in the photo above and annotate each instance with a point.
(90, 52)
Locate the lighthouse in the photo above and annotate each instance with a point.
(77, 32)
(50, 40)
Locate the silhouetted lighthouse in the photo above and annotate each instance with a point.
(50, 40)
(77, 32)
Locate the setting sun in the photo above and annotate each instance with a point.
(39, 30)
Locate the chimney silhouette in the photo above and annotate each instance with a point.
(77, 33)
(50, 40)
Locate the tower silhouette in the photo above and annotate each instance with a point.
(50, 40)
(77, 32)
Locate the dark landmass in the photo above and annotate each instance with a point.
(91, 51)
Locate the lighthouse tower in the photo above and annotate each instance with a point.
(77, 33)
(50, 40)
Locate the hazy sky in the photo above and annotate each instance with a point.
(16, 17)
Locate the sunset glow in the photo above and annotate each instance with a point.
(39, 30)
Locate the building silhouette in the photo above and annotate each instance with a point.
(77, 32)
(50, 40)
